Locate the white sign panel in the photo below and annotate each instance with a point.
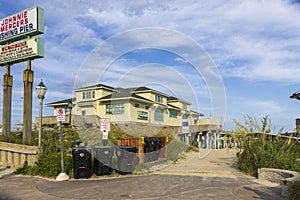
(18, 26)
(60, 115)
(185, 126)
(105, 135)
(21, 51)
(105, 124)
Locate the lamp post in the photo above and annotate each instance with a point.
(41, 90)
(70, 110)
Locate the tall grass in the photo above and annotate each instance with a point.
(262, 150)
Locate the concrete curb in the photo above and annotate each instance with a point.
(4, 172)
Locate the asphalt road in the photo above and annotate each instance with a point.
(208, 175)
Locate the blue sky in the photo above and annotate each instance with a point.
(254, 46)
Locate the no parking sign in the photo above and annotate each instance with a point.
(60, 115)
(105, 127)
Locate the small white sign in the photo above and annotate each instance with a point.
(105, 135)
(60, 115)
(105, 125)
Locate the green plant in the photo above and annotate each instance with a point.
(260, 149)
(48, 166)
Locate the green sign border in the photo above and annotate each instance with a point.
(40, 53)
(39, 30)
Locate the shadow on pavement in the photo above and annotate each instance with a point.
(270, 193)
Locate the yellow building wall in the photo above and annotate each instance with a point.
(101, 110)
(136, 116)
(173, 121)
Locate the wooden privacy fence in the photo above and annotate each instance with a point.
(139, 143)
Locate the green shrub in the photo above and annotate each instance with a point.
(48, 166)
(264, 150)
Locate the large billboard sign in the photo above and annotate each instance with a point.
(29, 22)
(21, 51)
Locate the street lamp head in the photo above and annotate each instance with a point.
(41, 90)
(70, 104)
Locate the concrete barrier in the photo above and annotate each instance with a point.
(283, 177)
(17, 155)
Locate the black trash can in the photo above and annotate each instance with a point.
(127, 159)
(148, 149)
(156, 148)
(82, 158)
(103, 160)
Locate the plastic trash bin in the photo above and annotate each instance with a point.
(148, 149)
(156, 148)
(127, 159)
(103, 160)
(82, 162)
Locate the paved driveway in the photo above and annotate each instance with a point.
(208, 175)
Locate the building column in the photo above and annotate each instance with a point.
(207, 140)
(7, 101)
(218, 139)
(27, 115)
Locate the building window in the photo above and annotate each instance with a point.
(115, 109)
(158, 98)
(184, 106)
(159, 115)
(147, 107)
(136, 105)
(83, 113)
(173, 114)
(142, 115)
(88, 95)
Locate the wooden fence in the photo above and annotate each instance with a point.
(139, 142)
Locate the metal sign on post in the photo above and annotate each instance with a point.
(60, 115)
(19, 26)
(20, 51)
(105, 128)
(105, 124)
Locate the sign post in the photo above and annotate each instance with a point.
(105, 128)
(20, 26)
(61, 117)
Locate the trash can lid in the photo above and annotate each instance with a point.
(129, 148)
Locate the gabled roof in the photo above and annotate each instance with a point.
(62, 102)
(197, 113)
(145, 89)
(123, 94)
(171, 98)
(96, 86)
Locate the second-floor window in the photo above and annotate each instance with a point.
(158, 98)
(88, 95)
(173, 114)
(184, 106)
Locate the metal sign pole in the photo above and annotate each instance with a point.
(60, 116)
(61, 148)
